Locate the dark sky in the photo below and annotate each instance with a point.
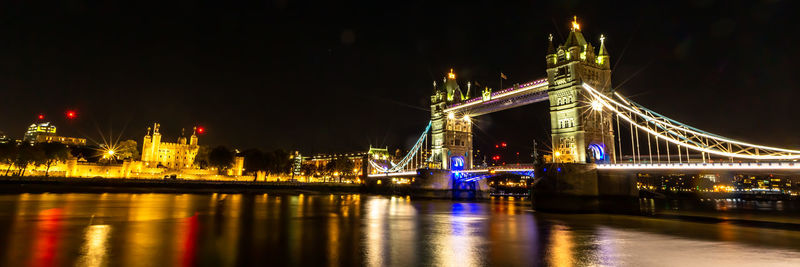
(340, 75)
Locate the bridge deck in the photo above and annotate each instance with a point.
(705, 166)
(520, 95)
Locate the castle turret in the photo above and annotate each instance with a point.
(193, 139)
(551, 51)
(602, 58)
(182, 139)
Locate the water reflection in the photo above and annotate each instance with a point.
(347, 230)
(95, 249)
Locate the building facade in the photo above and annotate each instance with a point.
(70, 141)
(171, 155)
(36, 130)
(581, 131)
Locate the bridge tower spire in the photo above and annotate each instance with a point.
(580, 133)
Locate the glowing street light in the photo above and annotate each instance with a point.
(596, 105)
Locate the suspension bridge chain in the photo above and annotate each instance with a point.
(685, 136)
(412, 160)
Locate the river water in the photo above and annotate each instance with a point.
(351, 230)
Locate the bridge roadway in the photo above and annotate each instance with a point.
(519, 168)
(746, 167)
(518, 95)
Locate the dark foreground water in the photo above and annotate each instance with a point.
(351, 230)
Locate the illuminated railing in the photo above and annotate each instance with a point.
(499, 94)
(705, 166)
(393, 174)
(682, 135)
(410, 157)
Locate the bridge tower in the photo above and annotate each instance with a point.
(582, 132)
(451, 133)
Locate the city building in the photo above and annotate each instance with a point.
(171, 155)
(36, 130)
(70, 141)
(377, 154)
(45, 132)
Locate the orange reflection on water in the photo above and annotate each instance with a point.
(562, 246)
(95, 247)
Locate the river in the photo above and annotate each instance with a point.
(352, 230)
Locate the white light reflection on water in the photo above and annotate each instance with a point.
(455, 239)
(95, 247)
(375, 236)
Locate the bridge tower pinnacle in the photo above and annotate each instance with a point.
(581, 132)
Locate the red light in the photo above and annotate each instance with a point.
(504, 144)
(496, 146)
(71, 114)
(41, 116)
(201, 130)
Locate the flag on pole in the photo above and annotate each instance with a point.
(503, 76)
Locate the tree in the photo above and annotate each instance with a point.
(201, 159)
(254, 160)
(220, 157)
(279, 161)
(128, 149)
(8, 154)
(309, 170)
(29, 155)
(341, 166)
(53, 152)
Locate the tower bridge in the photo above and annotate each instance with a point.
(585, 113)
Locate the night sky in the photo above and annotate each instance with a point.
(337, 76)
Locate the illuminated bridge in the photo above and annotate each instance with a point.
(588, 118)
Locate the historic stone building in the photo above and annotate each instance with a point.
(451, 134)
(580, 131)
(171, 155)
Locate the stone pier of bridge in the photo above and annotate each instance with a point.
(584, 188)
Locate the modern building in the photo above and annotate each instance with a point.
(45, 132)
(36, 130)
(171, 155)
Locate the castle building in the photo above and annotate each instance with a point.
(581, 133)
(171, 155)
